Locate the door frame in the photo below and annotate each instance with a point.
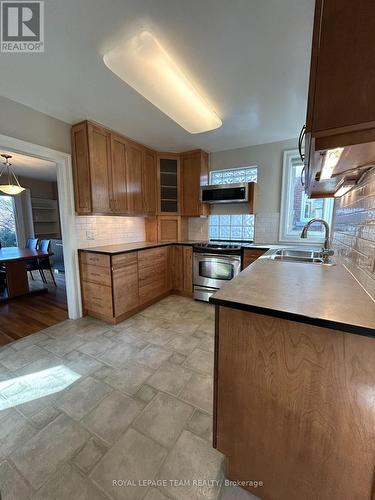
(67, 212)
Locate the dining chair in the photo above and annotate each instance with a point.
(32, 264)
(32, 243)
(44, 262)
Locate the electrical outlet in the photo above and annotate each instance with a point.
(90, 235)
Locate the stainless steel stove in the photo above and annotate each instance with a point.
(215, 263)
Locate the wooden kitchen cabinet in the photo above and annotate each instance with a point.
(134, 160)
(125, 283)
(81, 171)
(250, 255)
(149, 181)
(119, 175)
(194, 174)
(152, 273)
(181, 269)
(341, 99)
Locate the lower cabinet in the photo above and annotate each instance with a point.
(251, 254)
(116, 287)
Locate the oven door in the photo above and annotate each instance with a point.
(214, 270)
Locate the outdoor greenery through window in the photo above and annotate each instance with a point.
(7, 222)
(237, 227)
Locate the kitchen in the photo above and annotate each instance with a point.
(219, 268)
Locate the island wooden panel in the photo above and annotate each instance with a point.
(294, 407)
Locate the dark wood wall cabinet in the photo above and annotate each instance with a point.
(341, 101)
(114, 175)
(114, 287)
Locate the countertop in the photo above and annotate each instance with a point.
(326, 296)
(141, 245)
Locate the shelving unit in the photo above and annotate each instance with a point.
(46, 218)
(168, 185)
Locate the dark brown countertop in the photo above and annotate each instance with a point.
(141, 245)
(326, 296)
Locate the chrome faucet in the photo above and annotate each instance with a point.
(327, 252)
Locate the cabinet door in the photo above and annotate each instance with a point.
(134, 156)
(125, 282)
(152, 269)
(168, 184)
(176, 266)
(251, 255)
(149, 182)
(81, 169)
(99, 140)
(343, 59)
(119, 194)
(188, 269)
(194, 173)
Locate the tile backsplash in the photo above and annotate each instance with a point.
(354, 232)
(266, 228)
(92, 231)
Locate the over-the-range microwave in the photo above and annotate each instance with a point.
(226, 193)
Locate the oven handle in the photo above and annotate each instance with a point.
(226, 258)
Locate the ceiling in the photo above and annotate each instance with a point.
(249, 58)
(28, 166)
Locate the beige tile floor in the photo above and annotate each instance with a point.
(89, 411)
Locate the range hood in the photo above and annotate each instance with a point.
(228, 193)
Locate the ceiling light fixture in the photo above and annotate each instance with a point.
(13, 187)
(144, 64)
(331, 159)
(344, 187)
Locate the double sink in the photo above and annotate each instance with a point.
(298, 255)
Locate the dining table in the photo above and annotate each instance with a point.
(13, 262)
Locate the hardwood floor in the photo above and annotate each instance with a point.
(26, 315)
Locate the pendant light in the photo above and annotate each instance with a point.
(13, 187)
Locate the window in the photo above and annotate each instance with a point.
(237, 227)
(296, 207)
(7, 222)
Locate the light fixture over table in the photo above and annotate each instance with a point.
(144, 64)
(13, 187)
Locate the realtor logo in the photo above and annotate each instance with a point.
(22, 26)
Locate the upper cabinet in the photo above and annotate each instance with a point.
(149, 182)
(114, 175)
(194, 174)
(119, 176)
(341, 102)
(134, 160)
(169, 187)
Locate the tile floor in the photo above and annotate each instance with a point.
(92, 412)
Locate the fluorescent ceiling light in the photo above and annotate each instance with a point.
(144, 64)
(331, 159)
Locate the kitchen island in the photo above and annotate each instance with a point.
(294, 399)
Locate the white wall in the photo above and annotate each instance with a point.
(269, 160)
(29, 125)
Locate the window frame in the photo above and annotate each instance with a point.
(286, 198)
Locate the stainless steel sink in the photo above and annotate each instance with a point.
(298, 255)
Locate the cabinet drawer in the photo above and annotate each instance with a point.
(124, 259)
(145, 256)
(96, 259)
(97, 298)
(96, 274)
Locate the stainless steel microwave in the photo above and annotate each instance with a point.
(226, 193)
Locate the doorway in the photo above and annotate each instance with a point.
(66, 210)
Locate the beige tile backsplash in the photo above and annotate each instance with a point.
(354, 232)
(94, 231)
